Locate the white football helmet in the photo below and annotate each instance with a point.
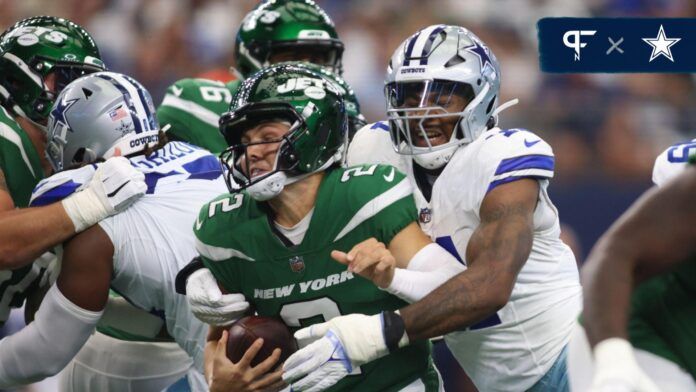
(96, 115)
(425, 72)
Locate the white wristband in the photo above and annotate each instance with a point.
(84, 209)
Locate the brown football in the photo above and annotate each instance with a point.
(274, 332)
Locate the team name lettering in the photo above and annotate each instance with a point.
(310, 285)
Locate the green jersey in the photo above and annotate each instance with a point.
(192, 107)
(21, 166)
(663, 315)
(301, 283)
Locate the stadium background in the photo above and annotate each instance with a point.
(606, 130)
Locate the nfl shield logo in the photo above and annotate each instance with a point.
(425, 215)
(296, 264)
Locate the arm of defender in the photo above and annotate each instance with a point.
(654, 235)
(67, 316)
(26, 233)
(410, 268)
(497, 250)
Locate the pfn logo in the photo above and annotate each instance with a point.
(576, 44)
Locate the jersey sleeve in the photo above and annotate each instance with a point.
(672, 161)
(214, 228)
(61, 185)
(509, 155)
(384, 200)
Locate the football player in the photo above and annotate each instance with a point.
(275, 31)
(39, 56)
(271, 238)
(651, 347)
(481, 193)
(137, 252)
(639, 286)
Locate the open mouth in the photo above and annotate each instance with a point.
(256, 172)
(434, 136)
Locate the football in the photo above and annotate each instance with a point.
(274, 332)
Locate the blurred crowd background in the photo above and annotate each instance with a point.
(605, 129)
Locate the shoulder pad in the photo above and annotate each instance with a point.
(372, 144)
(507, 155)
(365, 182)
(60, 185)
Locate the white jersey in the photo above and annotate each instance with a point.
(516, 346)
(153, 239)
(672, 161)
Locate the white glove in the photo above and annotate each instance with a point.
(343, 344)
(113, 188)
(208, 303)
(616, 369)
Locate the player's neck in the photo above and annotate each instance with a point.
(296, 200)
(38, 140)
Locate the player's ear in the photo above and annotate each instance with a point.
(117, 152)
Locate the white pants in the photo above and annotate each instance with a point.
(108, 364)
(665, 374)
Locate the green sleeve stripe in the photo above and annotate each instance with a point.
(216, 253)
(10, 135)
(207, 116)
(374, 206)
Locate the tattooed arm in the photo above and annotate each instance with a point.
(496, 252)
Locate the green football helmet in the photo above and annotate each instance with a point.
(355, 118)
(310, 103)
(286, 30)
(36, 48)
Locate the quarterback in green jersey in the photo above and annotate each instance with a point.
(640, 297)
(275, 31)
(291, 205)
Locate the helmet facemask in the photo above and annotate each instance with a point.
(417, 111)
(236, 160)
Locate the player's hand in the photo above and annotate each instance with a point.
(209, 304)
(370, 259)
(113, 188)
(338, 346)
(241, 376)
(616, 369)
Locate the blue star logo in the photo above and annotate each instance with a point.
(59, 111)
(482, 53)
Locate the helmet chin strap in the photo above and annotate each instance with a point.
(274, 184)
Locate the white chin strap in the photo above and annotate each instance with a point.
(272, 185)
(435, 159)
(269, 187)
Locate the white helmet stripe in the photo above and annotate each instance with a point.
(25, 68)
(135, 98)
(421, 41)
